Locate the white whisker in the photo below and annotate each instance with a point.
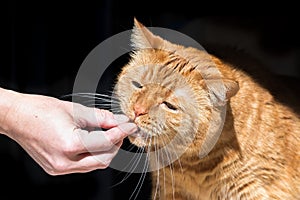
(135, 160)
(175, 151)
(140, 182)
(171, 164)
(157, 188)
(92, 96)
(131, 166)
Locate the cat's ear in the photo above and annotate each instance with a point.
(143, 38)
(221, 90)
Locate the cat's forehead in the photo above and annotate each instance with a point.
(189, 62)
(156, 73)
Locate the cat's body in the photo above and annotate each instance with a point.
(170, 90)
(257, 155)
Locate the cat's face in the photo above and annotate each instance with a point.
(160, 100)
(163, 92)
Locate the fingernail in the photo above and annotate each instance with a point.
(121, 118)
(128, 127)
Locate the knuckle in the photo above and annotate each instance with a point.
(69, 148)
(105, 164)
(57, 167)
(52, 172)
(103, 115)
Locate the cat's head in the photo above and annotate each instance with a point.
(170, 91)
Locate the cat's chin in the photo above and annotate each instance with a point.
(138, 141)
(139, 138)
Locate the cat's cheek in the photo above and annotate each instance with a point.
(127, 111)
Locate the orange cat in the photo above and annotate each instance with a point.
(180, 97)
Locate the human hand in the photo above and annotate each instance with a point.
(60, 135)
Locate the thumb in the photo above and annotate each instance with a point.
(94, 117)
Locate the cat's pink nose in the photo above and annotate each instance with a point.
(139, 110)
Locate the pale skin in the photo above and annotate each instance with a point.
(60, 135)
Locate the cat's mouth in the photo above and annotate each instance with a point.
(140, 137)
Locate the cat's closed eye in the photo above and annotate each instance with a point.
(136, 84)
(170, 106)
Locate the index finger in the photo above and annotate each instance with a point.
(100, 141)
(93, 117)
(107, 119)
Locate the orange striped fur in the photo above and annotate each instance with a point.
(164, 90)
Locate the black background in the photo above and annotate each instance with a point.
(42, 46)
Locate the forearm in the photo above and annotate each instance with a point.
(7, 101)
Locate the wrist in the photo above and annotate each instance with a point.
(7, 102)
